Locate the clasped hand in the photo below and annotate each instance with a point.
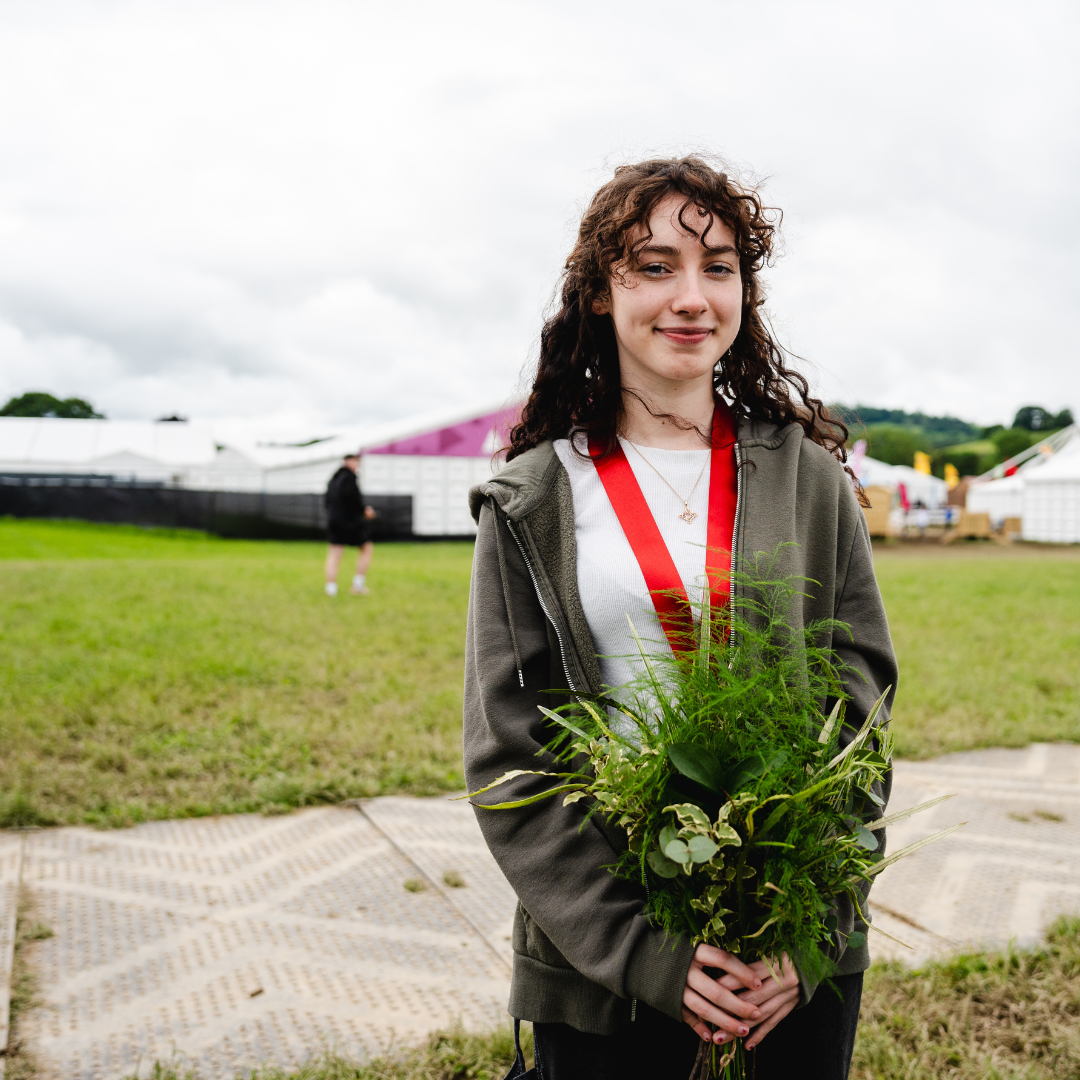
(744, 1000)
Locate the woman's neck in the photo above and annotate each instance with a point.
(693, 408)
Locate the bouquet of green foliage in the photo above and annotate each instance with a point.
(749, 811)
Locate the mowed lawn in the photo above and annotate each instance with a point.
(148, 674)
(988, 640)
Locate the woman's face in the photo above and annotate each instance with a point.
(678, 307)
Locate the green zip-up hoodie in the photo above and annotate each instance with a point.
(583, 948)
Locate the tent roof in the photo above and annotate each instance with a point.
(874, 473)
(44, 440)
(1008, 483)
(447, 432)
(1064, 465)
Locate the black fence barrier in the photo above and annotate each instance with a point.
(251, 515)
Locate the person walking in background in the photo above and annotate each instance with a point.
(349, 526)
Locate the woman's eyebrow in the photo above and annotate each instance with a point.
(673, 252)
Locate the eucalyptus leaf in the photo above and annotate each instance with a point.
(667, 834)
(677, 851)
(866, 839)
(701, 848)
(662, 865)
(856, 940)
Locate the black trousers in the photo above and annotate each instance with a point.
(811, 1043)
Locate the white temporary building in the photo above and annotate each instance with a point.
(159, 452)
(1051, 498)
(1000, 499)
(434, 458)
(919, 487)
(1042, 491)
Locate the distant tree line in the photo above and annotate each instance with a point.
(38, 403)
(893, 436)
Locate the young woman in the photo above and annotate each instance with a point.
(658, 359)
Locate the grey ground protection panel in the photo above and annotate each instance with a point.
(240, 940)
(1006, 875)
(11, 849)
(442, 839)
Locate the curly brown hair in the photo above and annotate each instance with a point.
(577, 384)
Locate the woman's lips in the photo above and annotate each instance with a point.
(690, 335)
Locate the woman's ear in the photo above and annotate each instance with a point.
(602, 305)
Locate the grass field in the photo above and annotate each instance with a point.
(988, 641)
(149, 674)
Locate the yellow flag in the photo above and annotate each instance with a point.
(922, 462)
(952, 476)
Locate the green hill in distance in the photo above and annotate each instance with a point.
(894, 436)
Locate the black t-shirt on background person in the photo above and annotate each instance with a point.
(345, 510)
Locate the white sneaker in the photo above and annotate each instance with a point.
(362, 591)
(331, 588)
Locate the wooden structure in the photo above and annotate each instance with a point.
(971, 526)
(878, 512)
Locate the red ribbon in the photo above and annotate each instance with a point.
(658, 568)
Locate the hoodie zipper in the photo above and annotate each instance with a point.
(738, 508)
(539, 596)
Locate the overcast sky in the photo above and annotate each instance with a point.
(323, 213)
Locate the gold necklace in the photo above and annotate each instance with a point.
(687, 515)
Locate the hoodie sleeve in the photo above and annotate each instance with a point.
(576, 912)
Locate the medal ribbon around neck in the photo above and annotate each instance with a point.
(638, 524)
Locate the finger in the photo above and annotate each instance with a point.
(757, 967)
(710, 956)
(763, 1029)
(779, 1001)
(768, 991)
(709, 1012)
(725, 999)
(699, 1025)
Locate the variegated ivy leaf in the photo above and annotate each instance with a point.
(689, 815)
(726, 836)
(573, 797)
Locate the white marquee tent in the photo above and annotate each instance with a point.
(1000, 499)
(435, 458)
(928, 490)
(160, 452)
(1051, 498)
(1044, 492)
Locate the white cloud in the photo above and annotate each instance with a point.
(330, 212)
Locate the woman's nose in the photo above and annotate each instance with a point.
(690, 299)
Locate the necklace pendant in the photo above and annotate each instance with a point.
(688, 516)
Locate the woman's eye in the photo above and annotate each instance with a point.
(654, 269)
(721, 269)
